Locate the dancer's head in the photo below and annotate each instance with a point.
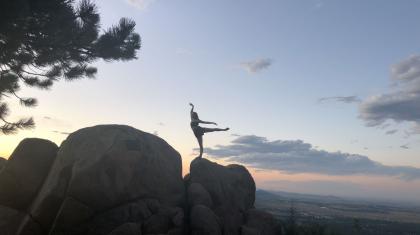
(194, 115)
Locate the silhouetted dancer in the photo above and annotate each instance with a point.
(199, 131)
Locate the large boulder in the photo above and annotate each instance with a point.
(228, 191)
(198, 195)
(25, 172)
(101, 168)
(230, 185)
(204, 221)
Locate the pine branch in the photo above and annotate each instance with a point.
(28, 102)
(12, 128)
(44, 41)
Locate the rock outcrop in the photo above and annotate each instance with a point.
(116, 180)
(228, 186)
(105, 176)
(221, 201)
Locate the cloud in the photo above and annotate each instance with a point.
(404, 146)
(391, 132)
(343, 99)
(296, 156)
(257, 65)
(141, 4)
(407, 69)
(55, 123)
(402, 103)
(62, 132)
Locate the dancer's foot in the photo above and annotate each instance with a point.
(226, 129)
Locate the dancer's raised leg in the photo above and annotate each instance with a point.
(206, 130)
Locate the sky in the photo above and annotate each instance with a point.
(321, 96)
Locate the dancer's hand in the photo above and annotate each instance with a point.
(191, 104)
(214, 123)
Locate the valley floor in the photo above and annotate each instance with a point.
(342, 215)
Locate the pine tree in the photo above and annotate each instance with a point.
(44, 41)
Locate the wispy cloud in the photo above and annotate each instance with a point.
(402, 103)
(257, 65)
(391, 132)
(296, 156)
(342, 99)
(404, 146)
(55, 123)
(183, 51)
(62, 132)
(141, 4)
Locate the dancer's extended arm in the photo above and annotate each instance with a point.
(192, 108)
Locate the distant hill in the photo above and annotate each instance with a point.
(302, 197)
(298, 196)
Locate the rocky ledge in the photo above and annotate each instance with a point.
(117, 180)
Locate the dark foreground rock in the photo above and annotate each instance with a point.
(2, 163)
(9, 220)
(127, 229)
(116, 180)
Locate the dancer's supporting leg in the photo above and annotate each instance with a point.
(200, 142)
